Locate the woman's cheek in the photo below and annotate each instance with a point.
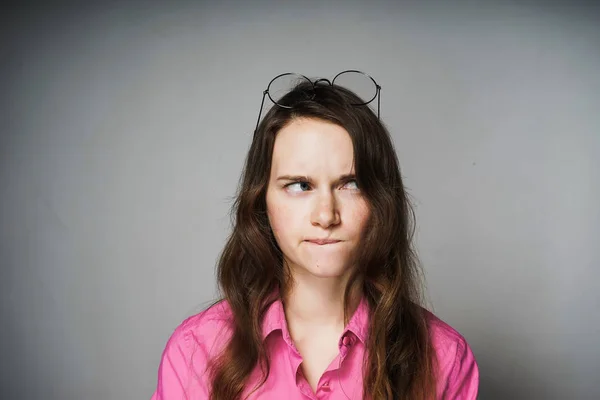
(280, 218)
(360, 213)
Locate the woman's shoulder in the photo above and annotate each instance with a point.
(183, 371)
(444, 336)
(458, 370)
(208, 329)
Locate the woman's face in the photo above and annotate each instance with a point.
(315, 208)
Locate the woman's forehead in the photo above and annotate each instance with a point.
(313, 145)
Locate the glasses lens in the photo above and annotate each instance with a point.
(283, 84)
(362, 85)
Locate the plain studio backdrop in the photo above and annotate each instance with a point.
(123, 132)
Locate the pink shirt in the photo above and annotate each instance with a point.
(182, 373)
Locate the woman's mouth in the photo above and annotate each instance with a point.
(323, 241)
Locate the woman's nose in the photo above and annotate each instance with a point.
(325, 212)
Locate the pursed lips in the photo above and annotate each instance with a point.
(323, 241)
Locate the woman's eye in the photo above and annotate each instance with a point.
(351, 184)
(298, 187)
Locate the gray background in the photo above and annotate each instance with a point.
(123, 132)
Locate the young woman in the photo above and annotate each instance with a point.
(321, 288)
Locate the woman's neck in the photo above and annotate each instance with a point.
(314, 301)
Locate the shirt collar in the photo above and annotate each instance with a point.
(274, 319)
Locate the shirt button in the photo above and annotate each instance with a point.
(347, 341)
(325, 387)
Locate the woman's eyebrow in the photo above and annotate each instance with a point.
(305, 178)
(293, 178)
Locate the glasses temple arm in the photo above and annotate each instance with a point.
(378, 100)
(260, 110)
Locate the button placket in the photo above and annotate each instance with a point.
(305, 388)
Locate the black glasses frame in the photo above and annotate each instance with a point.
(267, 93)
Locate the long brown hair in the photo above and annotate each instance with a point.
(401, 360)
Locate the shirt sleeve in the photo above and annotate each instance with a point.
(182, 373)
(463, 381)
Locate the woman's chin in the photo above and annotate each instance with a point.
(326, 270)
